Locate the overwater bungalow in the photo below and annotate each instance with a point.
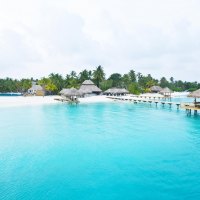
(71, 94)
(166, 92)
(88, 88)
(195, 95)
(155, 89)
(116, 91)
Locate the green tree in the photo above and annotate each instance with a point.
(84, 75)
(57, 80)
(98, 75)
(134, 88)
(48, 85)
(132, 75)
(172, 80)
(116, 80)
(25, 84)
(164, 82)
(106, 84)
(126, 80)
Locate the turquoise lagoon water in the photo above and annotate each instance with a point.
(104, 151)
(11, 94)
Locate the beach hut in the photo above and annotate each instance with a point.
(166, 92)
(88, 88)
(116, 91)
(71, 94)
(36, 90)
(155, 89)
(64, 90)
(195, 95)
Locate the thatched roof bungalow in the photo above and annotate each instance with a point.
(89, 88)
(64, 90)
(195, 94)
(155, 89)
(116, 91)
(37, 90)
(71, 93)
(166, 92)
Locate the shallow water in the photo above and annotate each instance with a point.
(99, 151)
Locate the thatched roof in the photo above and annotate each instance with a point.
(155, 88)
(71, 92)
(87, 82)
(63, 91)
(125, 91)
(116, 91)
(89, 87)
(195, 94)
(166, 90)
(36, 87)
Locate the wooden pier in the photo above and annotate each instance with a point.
(66, 100)
(189, 107)
(145, 100)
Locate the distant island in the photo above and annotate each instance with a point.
(135, 83)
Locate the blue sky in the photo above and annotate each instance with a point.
(161, 37)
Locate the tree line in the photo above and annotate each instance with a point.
(135, 83)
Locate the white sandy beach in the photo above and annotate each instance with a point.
(26, 101)
(36, 100)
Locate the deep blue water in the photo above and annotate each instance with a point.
(105, 151)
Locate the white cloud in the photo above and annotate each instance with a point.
(160, 37)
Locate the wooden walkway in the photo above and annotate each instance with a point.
(189, 107)
(144, 100)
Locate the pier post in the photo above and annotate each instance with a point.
(170, 105)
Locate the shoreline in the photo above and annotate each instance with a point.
(17, 101)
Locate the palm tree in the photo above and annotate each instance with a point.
(132, 75)
(98, 75)
(73, 74)
(84, 75)
(57, 80)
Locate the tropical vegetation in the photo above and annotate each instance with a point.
(134, 82)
